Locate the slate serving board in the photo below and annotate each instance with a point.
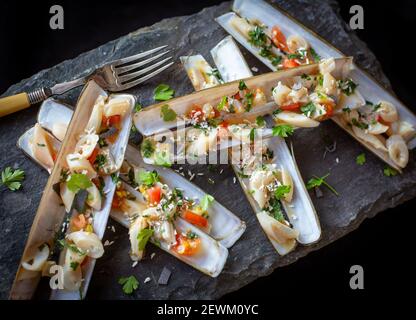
(364, 190)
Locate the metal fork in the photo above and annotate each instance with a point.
(117, 75)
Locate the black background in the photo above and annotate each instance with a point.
(382, 245)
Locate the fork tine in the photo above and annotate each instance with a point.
(120, 70)
(136, 56)
(133, 75)
(146, 77)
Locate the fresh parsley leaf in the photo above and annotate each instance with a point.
(143, 237)
(206, 201)
(249, 101)
(275, 209)
(283, 130)
(242, 85)
(260, 121)
(163, 92)
(360, 159)
(78, 181)
(149, 178)
(389, 172)
(147, 148)
(100, 160)
(257, 37)
(162, 159)
(280, 191)
(317, 182)
(115, 178)
(129, 284)
(167, 113)
(12, 178)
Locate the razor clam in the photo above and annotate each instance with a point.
(225, 226)
(199, 72)
(215, 257)
(270, 16)
(300, 211)
(229, 60)
(50, 213)
(150, 120)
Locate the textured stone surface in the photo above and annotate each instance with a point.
(364, 190)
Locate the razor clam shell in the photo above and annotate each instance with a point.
(148, 121)
(189, 62)
(50, 213)
(210, 260)
(370, 88)
(226, 227)
(229, 60)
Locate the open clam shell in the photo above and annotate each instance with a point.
(150, 120)
(230, 61)
(212, 256)
(268, 15)
(51, 213)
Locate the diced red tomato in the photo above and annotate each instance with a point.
(114, 120)
(116, 202)
(291, 107)
(279, 39)
(197, 114)
(54, 156)
(237, 96)
(329, 110)
(224, 124)
(186, 246)
(154, 194)
(78, 222)
(93, 156)
(290, 63)
(382, 121)
(195, 219)
(216, 113)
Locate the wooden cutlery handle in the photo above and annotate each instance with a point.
(14, 103)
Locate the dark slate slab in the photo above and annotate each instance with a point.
(364, 190)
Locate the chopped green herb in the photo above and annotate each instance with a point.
(346, 109)
(191, 235)
(308, 109)
(275, 60)
(249, 101)
(260, 121)
(41, 145)
(242, 85)
(143, 237)
(360, 159)
(78, 181)
(376, 107)
(280, 191)
(283, 130)
(389, 172)
(359, 124)
(167, 113)
(163, 92)
(100, 160)
(257, 37)
(74, 265)
(222, 103)
(148, 178)
(138, 107)
(147, 148)
(252, 134)
(216, 74)
(129, 284)
(12, 178)
(317, 182)
(206, 201)
(275, 209)
(162, 159)
(316, 57)
(347, 86)
(63, 244)
(243, 175)
(115, 178)
(305, 76)
(103, 143)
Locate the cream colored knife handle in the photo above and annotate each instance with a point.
(22, 101)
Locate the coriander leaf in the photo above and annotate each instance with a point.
(12, 178)
(360, 159)
(257, 37)
(275, 209)
(260, 121)
(162, 159)
(147, 148)
(167, 113)
(242, 85)
(280, 191)
(283, 130)
(149, 178)
(308, 109)
(317, 182)
(129, 284)
(206, 201)
(78, 181)
(143, 237)
(163, 92)
(389, 171)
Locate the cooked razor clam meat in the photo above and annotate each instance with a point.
(374, 123)
(42, 147)
(200, 73)
(38, 259)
